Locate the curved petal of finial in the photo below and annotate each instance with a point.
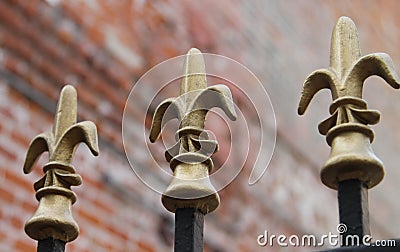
(317, 80)
(379, 64)
(169, 109)
(172, 151)
(205, 146)
(366, 116)
(215, 96)
(327, 124)
(39, 144)
(85, 132)
(68, 178)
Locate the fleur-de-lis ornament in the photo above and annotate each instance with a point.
(346, 129)
(53, 217)
(190, 157)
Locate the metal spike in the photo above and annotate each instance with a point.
(352, 166)
(52, 222)
(191, 195)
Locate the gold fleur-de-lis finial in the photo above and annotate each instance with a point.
(53, 218)
(190, 157)
(346, 129)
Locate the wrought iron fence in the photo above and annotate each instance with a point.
(352, 168)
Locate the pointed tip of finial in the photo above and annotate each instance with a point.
(68, 98)
(68, 90)
(66, 113)
(194, 61)
(194, 50)
(345, 27)
(345, 19)
(345, 24)
(68, 87)
(345, 45)
(194, 72)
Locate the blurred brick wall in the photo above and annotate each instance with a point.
(103, 47)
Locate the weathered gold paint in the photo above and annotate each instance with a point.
(347, 130)
(53, 217)
(190, 157)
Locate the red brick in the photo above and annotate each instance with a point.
(116, 230)
(90, 216)
(20, 139)
(30, 8)
(144, 246)
(86, 96)
(96, 34)
(9, 155)
(92, 183)
(17, 223)
(24, 246)
(3, 236)
(65, 36)
(105, 206)
(6, 111)
(6, 195)
(30, 207)
(19, 180)
(8, 15)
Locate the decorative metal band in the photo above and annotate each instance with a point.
(349, 127)
(191, 158)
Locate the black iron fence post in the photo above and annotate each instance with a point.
(189, 224)
(191, 195)
(51, 245)
(352, 167)
(52, 225)
(353, 209)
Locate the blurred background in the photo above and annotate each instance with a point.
(104, 47)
